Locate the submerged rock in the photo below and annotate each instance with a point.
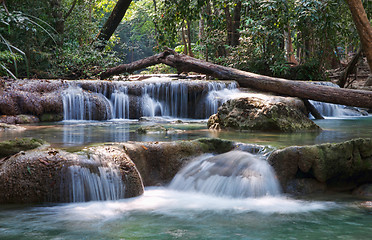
(10, 127)
(53, 175)
(339, 166)
(254, 113)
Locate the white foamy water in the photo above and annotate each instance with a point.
(182, 204)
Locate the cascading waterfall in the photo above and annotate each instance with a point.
(81, 105)
(181, 99)
(218, 94)
(120, 102)
(235, 174)
(85, 185)
(335, 110)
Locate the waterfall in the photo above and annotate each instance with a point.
(120, 102)
(82, 105)
(93, 100)
(218, 94)
(104, 183)
(235, 174)
(165, 99)
(335, 110)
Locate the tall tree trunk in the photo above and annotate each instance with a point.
(289, 47)
(56, 11)
(235, 35)
(183, 32)
(363, 26)
(189, 39)
(112, 22)
(228, 25)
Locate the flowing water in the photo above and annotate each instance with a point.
(229, 196)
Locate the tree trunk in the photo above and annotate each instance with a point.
(289, 47)
(305, 90)
(228, 25)
(189, 39)
(349, 69)
(235, 35)
(56, 11)
(183, 33)
(112, 22)
(363, 26)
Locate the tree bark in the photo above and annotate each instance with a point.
(289, 47)
(235, 35)
(349, 69)
(363, 27)
(301, 89)
(112, 22)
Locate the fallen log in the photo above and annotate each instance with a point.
(301, 89)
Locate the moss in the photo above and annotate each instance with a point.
(215, 145)
(11, 147)
(51, 117)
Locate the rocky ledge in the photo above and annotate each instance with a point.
(317, 168)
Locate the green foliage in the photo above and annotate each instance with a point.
(159, 69)
(76, 62)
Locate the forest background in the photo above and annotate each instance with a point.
(293, 39)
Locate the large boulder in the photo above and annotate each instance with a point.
(253, 113)
(52, 175)
(334, 166)
(33, 97)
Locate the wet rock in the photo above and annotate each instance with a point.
(157, 129)
(9, 127)
(33, 97)
(19, 119)
(341, 166)
(11, 147)
(254, 113)
(51, 117)
(45, 175)
(364, 190)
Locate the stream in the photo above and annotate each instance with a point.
(166, 212)
(163, 213)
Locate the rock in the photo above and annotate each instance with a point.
(254, 113)
(341, 166)
(51, 117)
(304, 186)
(364, 190)
(7, 127)
(368, 82)
(19, 119)
(11, 147)
(45, 175)
(152, 129)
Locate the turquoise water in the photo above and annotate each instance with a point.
(167, 214)
(80, 133)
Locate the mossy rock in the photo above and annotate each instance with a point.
(11, 147)
(51, 117)
(44, 175)
(341, 166)
(263, 115)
